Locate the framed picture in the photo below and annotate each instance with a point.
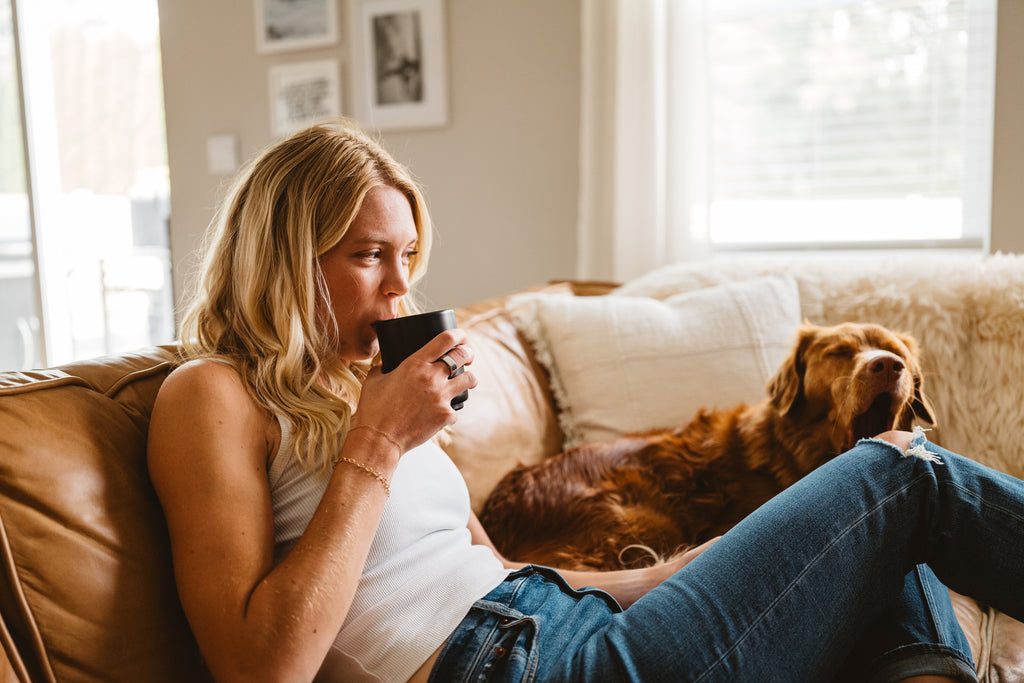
(399, 69)
(295, 24)
(302, 94)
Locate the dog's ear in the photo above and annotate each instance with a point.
(785, 388)
(920, 404)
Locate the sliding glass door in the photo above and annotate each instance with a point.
(84, 198)
(20, 340)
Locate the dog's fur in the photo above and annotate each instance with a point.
(633, 500)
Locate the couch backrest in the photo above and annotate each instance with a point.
(86, 586)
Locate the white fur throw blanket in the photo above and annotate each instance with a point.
(967, 312)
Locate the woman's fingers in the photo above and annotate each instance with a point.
(451, 343)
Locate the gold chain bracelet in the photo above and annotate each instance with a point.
(369, 470)
(366, 468)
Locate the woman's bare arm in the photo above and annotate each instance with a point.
(209, 448)
(208, 452)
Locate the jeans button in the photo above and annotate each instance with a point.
(499, 651)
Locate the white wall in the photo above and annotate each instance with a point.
(1008, 150)
(501, 179)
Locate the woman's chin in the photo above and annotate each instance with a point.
(361, 355)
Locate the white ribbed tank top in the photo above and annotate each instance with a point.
(422, 574)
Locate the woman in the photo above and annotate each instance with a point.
(317, 531)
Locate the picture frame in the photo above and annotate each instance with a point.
(303, 93)
(399, 65)
(283, 25)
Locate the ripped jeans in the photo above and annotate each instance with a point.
(835, 579)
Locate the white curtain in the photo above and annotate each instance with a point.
(639, 137)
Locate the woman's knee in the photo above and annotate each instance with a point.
(901, 439)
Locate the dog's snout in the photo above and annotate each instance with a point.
(884, 368)
(889, 363)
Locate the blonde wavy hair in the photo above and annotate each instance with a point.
(261, 303)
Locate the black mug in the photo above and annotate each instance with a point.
(401, 337)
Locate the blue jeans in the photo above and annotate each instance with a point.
(827, 581)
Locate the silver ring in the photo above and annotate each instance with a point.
(453, 368)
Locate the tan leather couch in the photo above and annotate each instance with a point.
(86, 588)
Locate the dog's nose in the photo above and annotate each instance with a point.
(887, 364)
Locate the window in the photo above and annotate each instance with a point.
(849, 124)
(84, 258)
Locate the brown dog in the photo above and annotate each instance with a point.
(633, 500)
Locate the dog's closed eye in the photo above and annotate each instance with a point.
(841, 350)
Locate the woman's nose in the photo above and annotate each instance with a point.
(397, 281)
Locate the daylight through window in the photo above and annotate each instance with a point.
(849, 123)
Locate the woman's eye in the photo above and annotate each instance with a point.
(409, 255)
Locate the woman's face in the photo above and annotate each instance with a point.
(367, 272)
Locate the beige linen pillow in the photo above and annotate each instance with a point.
(621, 364)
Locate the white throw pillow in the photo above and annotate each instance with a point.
(621, 364)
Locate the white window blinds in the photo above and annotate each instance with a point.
(837, 123)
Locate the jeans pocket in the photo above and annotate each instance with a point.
(493, 643)
(514, 650)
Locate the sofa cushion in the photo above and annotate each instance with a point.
(509, 417)
(86, 586)
(623, 364)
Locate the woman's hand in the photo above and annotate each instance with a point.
(632, 588)
(413, 402)
(680, 561)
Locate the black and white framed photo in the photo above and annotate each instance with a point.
(302, 94)
(295, 24)
(399, 69)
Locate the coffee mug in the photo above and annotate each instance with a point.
(401, 337)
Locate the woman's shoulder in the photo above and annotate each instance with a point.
(203, 376)
(208, 385)
(209, 369)
(210, 396)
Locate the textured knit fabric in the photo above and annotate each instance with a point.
(422, 574)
